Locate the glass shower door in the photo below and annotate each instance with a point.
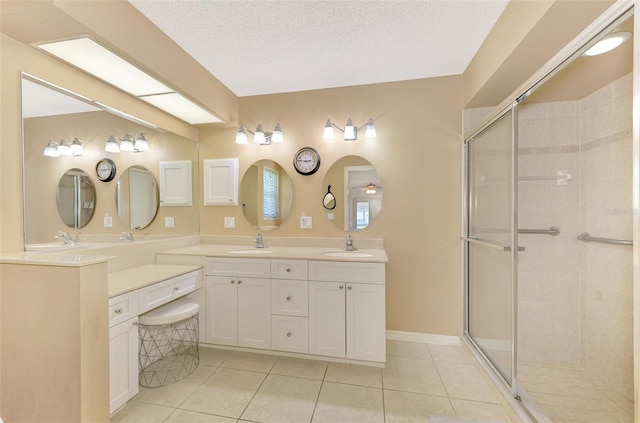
(490, 241)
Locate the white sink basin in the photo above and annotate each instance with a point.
(252, 251)
(353, 254)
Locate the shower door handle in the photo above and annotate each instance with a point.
(490, 244)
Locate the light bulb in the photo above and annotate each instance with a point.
(141, 143)
(241, 136)
(127, 143)
(76, 147)
(350, 132)
(51, 150)
(328, 130)
(112, 145)
(371, 129)
(277, 137)
(258, 136)
(64, 149)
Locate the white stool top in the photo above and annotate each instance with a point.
(172, 312)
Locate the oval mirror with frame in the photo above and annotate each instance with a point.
(75, 198)
(137, 197)
(266, 195)
(357, 192)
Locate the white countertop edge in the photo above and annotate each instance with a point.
(62, 260)
(128, 280)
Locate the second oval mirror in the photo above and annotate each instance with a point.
(266, 195)
(137, 197)
(357, 192)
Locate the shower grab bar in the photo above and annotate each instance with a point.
(490, 244)
(553, 231)
(588, 238)
(562, 177)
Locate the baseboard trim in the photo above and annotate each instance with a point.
(425, 338)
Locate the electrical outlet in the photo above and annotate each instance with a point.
(229, 222)
(330, 216)
(169, 222)
(306, 222)
(108, 221)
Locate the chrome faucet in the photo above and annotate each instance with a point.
(127, 236)
(349, 246)
(259, 242)
(65, 237)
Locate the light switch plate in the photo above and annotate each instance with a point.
(108, 222)
(169, 222)
(306, 222)
(229, 222)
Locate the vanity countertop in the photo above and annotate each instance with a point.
(282, 252)
(62, 260)
(139, 277)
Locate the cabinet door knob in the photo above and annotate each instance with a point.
(288, 334)
(289, 298)
(117, 311)
(232, 282)
(176, 288)
(349, 287)
(135, 323)
(288, 270)
(341, 286)
(239, 282)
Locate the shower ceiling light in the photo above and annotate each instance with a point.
(608, 43)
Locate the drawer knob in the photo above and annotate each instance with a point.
(239, 282)
(288, 334)
(349, 287)
(232, 282)
(117, 311)
(341, 286)
(176, 288)
(289, 298)
(288, 270)
(134, 323)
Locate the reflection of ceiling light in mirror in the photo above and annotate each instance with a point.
(112, 145)
(371, 189)
(98, 61)
(241, 136)
(608, 43)
(51, 150)
(277, 137)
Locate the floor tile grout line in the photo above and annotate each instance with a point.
(315, 407)
(257, 390)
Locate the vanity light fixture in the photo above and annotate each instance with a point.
(112, 145)
(126, 143)
(260, 136)
(141, 143)
(608, 43)
(64, 148)
(95, 59)
(77, 149)
(51, 150)
(350, 131)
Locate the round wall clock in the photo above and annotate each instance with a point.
(306, 161)
(106, 170)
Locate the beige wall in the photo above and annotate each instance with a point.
(417, 153)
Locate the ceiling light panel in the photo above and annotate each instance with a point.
(182, 108)
(91, 57)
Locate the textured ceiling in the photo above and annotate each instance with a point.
(265, 47)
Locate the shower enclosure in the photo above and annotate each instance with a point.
(548, 238)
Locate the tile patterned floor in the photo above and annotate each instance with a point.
(570, 394)
(421, 383)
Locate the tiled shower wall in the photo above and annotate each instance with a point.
(575, 298)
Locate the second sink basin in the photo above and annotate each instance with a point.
(251, 251)
(354, 254)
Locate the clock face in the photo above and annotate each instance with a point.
(306, 161)
(106, 170)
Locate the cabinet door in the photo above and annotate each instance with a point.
(222, 310)
(254, 313)
(123, 363)
(327, 318)
(221, 182)
(175, 183)
(366, 322)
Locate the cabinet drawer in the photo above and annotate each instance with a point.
(341, 271)
(289, 269)
(289, 297)
(247, 267)
(161, 293)
(290, 334)
(123, 307)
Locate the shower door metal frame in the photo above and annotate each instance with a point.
(513, 248)
(618, 12)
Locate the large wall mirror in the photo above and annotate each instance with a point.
(356, 190)
(266, 195)
(56, 189)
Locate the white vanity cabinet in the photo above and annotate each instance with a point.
(238, 306)
(347, 310)
(289, 305)
(123, 349)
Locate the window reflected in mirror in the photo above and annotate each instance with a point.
(266, 195)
